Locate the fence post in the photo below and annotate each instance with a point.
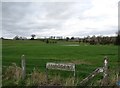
(23, 65)
(105, 72)
(74, 70)
(46, 74)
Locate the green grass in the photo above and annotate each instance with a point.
(87, 57)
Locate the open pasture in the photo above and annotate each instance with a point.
(86, 57)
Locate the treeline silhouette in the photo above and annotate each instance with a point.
(90, 40)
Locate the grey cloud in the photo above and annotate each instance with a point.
(59, 10)
(14, 13)
(14, 10)
(107, 31)
(25, 18)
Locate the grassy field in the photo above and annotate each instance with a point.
(86, 57)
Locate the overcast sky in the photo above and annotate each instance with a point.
(83, 18)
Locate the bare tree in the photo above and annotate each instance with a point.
(16, 38)
(33, 36)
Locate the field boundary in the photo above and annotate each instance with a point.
(58, 66)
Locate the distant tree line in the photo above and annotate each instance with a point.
(91, 40)
(100, 40)
(118, 38)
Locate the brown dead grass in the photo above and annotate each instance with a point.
(13, 72)
(38, 78)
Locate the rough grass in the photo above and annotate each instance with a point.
(12, 77)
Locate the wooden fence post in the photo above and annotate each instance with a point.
(105, 81)
(74, 74)
(23, 65)
(74, 70)
(47, 75)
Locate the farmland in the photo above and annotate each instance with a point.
(86, 57)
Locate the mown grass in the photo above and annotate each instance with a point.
(86, 57)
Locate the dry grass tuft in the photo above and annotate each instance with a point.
(113, 76)
(13, 72)
(70, 82)
(38, 78)
(56, 81)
